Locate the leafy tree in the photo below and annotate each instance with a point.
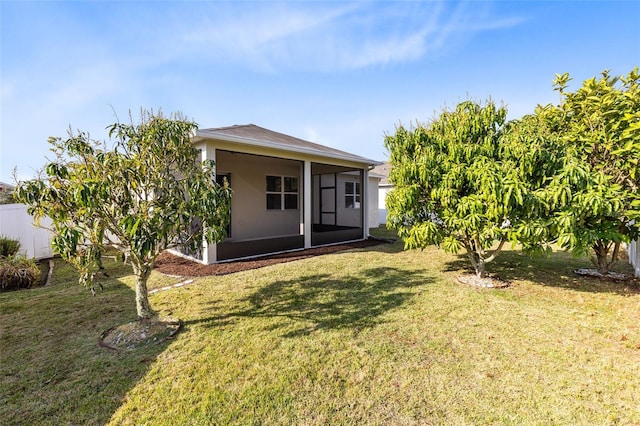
(468, 180)
(141, 197)
(597, 192)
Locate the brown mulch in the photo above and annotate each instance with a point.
(170, 264)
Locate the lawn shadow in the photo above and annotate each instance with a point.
(389, 247)
(556, 270)
(53, 369)
(320, 301)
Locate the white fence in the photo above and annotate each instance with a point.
(17, 224)
(634, 256)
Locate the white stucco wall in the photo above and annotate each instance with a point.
(373, 216)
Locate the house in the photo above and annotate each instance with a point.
(384, 186)
(288, 193)
(6, 191)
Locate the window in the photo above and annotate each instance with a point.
(282, 193)
(352, 195)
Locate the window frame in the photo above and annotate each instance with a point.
(353, 198)
(283, 188)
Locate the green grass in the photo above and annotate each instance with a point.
(372, 336)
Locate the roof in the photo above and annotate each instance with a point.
(6, 186)
(383, 171)
(251, 134)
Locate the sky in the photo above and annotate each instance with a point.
(342, 74)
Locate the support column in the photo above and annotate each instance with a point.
(209, 253)
(364, 203)
(307, 197)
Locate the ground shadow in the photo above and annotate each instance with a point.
(320, 301)
(171, 264)
(389, 247)
(555, 270)
(53, 369)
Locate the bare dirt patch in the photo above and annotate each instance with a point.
(486, 282)
(170, 264)
(139, 333)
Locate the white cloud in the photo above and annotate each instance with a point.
(329, 37)
(168, 55)
(261, 26)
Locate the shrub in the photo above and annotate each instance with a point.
(18, 272)
(8, 246)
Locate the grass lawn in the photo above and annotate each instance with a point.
(371, 336)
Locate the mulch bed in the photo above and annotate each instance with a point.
(594, 273)
(486, 282)
(139, 333)
(170, 264)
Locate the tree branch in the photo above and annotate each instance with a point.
(497, 250)
(479, 248)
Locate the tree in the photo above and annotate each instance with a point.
(596, 195)
(145, 195)
(469, 181)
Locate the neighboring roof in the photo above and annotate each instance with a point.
(6, 191)
(6, 186)
(251, 134)
(383, 171)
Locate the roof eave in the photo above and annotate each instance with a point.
(204, 134)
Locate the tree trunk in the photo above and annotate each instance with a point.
(479, 265)
(481, 270)
(476, 254)
(143, 307)
(601, 260)
(614, 255)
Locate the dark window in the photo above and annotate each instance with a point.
(291, 184)
(279, 196)
(291, 201)
(274, 184)
(274, 201)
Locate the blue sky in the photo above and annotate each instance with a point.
(337, 73)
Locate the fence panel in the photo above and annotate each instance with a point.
(634, 256)
(16, 223)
